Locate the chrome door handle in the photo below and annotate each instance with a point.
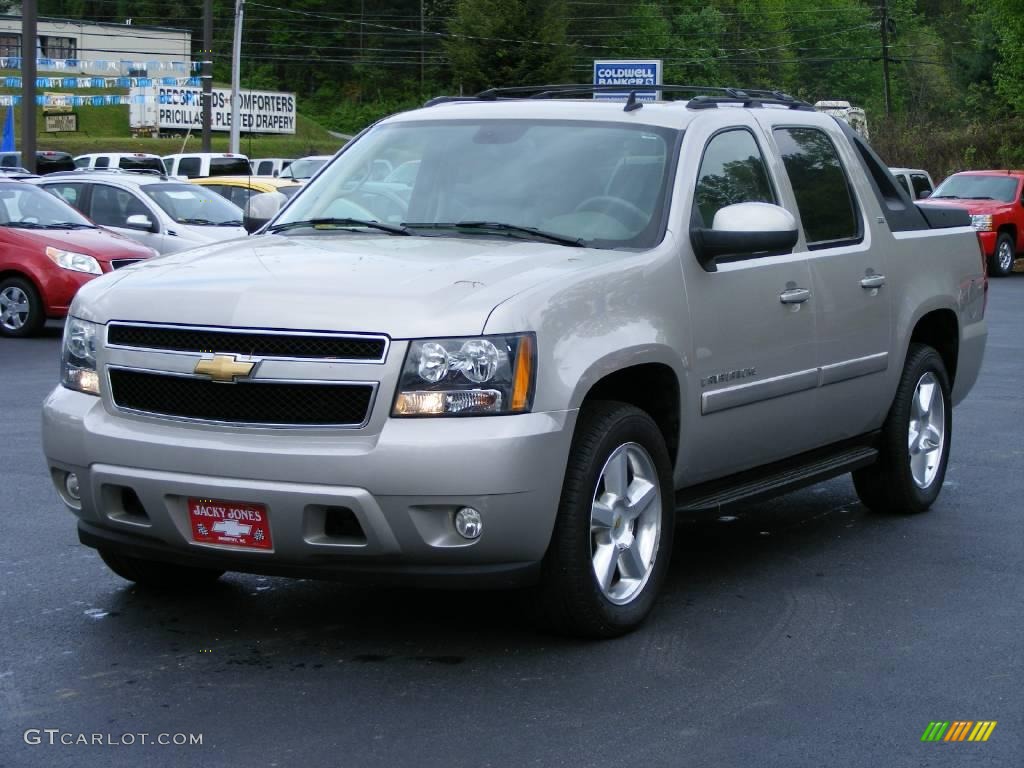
(795, 296)
(873, 281)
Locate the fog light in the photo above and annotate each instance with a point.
(468, 523)
(71, 486)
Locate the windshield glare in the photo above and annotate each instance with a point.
(188, 204)
(599, 182)
(24, 204)
(306, 167)
(968, 187)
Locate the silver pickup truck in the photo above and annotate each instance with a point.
(506, 341)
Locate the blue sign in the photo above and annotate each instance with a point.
(633, 75)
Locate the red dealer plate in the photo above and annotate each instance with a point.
(230, 523)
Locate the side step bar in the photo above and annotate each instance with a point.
(775, 479)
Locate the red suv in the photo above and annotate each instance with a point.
(995, 200)
(47, 251)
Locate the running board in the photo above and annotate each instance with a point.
(774, 480)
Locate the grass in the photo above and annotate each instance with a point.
(106, 129)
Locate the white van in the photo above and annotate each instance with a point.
(197, 164)
(269, 166)
(126, 161)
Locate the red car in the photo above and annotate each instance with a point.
(48, 250)
(995, 200)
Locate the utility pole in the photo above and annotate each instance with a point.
(236, 68)
(423, 31)
(29, 38)
(207, 73)
(885, 58)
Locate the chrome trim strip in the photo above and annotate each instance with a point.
(752, 392)
(852, 369)
(374, 385)
(276, 332)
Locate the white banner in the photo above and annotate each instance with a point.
(180, 108)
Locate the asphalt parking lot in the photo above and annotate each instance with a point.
(805, 632)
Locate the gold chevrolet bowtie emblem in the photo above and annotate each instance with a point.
(224, 368)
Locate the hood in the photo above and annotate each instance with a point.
(972, 206)
(405, 287)
(101, 244)
(208, 234)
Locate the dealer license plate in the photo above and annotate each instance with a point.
(229, 523)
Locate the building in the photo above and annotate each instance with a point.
(100, 48)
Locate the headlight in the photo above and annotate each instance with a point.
(76, 262)
(467, 376)
(78, 356)
(981, 222)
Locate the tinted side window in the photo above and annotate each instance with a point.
(189, 166)
(731, 171)
(102, 162)
(8, 161)
(82, 162)
(229, 166)
(265, 168)
(111, 207)
(902, 181)
(822, 192)
(69, 193)
(921, 184)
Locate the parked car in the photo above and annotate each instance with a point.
(48, 250)
(238, 189)
(196, 164)
(269, 166)
(305, 167)
(995, 200)
(165, 214)
(586, 319)
(47, 161)
(126, 161)
(917, 183)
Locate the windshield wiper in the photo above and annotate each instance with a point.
(198, 222)
(23, 225)
(70, 225)
(980, 197)
(391, 229)
(232, 223)
(497, 226)
(945, 197)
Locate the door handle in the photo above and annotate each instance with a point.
(795, 296)
(873, 281)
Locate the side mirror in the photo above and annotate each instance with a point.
(744, 229)
(924, 194)
(140, 222)
(262, 208)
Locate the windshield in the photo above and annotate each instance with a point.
(604, 184)
(188, 204)
(141, 164)
(306, 167)
(978, 187)
(23, 205)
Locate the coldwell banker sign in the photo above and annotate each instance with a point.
(180, 108)
(632, 75)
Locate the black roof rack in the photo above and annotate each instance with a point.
(700, 96)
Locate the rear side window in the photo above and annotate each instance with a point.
(8, 161)
(82, 162)
(731, 171)
(265, 168)
(141, 164)
(229, 166)
(102, 162)
(822, 191)
(921, 185)
(189, 166)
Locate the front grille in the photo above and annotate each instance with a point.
(254, 343)
(118, 263)
(246, 402)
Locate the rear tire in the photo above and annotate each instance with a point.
(1000, 263)
(616, 517)
(915, 440)
(159, 576)
(21, 309)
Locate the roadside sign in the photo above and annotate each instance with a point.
(631, 74)
(61, 122)
(180, 108)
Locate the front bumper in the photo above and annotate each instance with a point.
(988, 242)
(402, 485)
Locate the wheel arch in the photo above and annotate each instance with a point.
(940, 329)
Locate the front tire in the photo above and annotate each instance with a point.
(916, 436)
(612, 542)
(155, 575)
(1000, 263)
(21, 309)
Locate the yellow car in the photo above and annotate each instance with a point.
(238, 189)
